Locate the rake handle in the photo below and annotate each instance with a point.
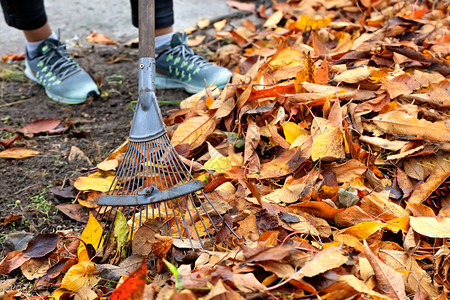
(146, 17)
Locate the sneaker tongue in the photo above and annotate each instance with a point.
(45, 46)
(177, 39)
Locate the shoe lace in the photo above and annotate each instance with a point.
(188, 54)
(59, 61)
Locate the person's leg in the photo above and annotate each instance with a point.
(47, 61)
(177, 65)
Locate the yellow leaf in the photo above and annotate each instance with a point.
(93, 182)
(401, 223)
(291, 132)
(80, 274)
(219, 25)
(218, 164)
(364, 230)
(203, 23)
(287, 57)
(92, 234)
(431, 227)
(193, 131)
(328, 145)
(18, 153)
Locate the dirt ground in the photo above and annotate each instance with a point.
(27, 186)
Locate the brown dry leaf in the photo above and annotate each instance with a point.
(108, 165)
(247, 283)
(248, 24)
(39, 126)
(348, 171)
(251, 7)
(100, 38)
(441, 274)
(402, 124)
(12, 260)
(162, 245)
(323, 261)
(378, 204)
(416, 278)
(354, 75)
(361, 287)
(383, 143)
(76, 154)
(194, 131)
(35, 268)
(328, 146)
(431, 226)
(83, 273)
(274, 19)
(423, 190)
(389, 282)
(283, 165)
(18, 153)
(288, 194)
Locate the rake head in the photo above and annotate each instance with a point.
(154, 189)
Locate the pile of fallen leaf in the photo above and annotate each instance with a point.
(329, 150)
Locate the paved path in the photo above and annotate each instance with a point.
(76, 19)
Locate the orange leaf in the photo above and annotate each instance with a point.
(277, 90)
(18, 153)
(316, 208)
(133, 287)
(416, 14)
(364, 230)
(100, 38)
(12, 57)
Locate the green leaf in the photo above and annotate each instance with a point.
(120, 230)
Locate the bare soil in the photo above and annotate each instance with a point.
(96, 127)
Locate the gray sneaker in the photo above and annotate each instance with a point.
(63, 79)
(178, 66)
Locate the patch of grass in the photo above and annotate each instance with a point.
(40, 203)
(115, 79)
(12, 73)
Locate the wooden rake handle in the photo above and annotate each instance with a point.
(146, 17)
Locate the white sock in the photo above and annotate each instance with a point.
(162, 39)
(32, 46)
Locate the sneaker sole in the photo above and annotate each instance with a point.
(29, 74)
(168, 83)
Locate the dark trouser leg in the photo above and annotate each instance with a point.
(24, 14)
(163, 13)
